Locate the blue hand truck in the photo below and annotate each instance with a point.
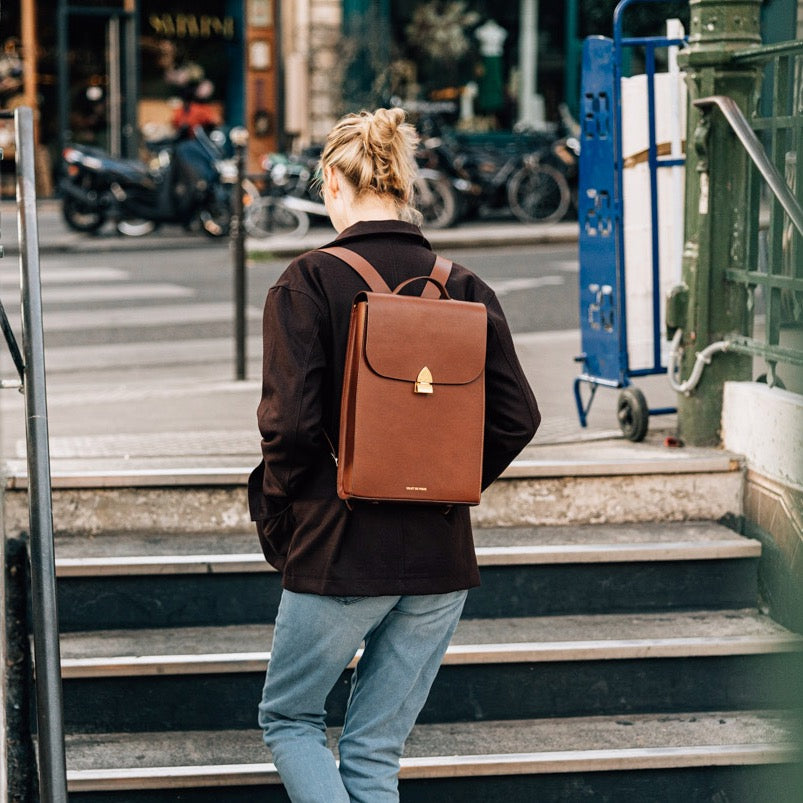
(605, 358)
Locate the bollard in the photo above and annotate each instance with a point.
(239, 138)
(708, 308)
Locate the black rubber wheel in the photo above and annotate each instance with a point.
(80, 217)
(633, 414)
(215, 216)
(539, 194)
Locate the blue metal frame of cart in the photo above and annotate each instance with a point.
(603, 320)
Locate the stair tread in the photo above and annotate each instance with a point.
(542, 637)
(553, 543)
(542, 739)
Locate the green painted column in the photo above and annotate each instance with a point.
(707, 307)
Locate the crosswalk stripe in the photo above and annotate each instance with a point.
(159, 353)
(141, 317)
(504, 286)
(68, 276)
(120, 292)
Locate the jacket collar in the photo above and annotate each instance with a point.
(380, 228)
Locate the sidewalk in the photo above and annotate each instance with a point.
(56, 237)
(161, 424)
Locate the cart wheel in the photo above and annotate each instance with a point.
(633, 414)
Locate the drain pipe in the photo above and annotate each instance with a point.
(702, 359)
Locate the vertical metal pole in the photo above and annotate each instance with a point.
(652, 160)
(130, 79)
(528, 61)
(63, 74)
(571, 70)
(52, 762)
(239, 138)
(3, 674)
(114, 100)
(717, 171)
(281, 99)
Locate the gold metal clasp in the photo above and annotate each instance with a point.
(424, 382)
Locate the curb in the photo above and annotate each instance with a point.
(466, 236)
(55, 239)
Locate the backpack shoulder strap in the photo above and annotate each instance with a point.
(368, 272)
(440, 271)
(370, 275)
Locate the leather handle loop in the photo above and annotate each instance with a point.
(444, 293)
(439, 276)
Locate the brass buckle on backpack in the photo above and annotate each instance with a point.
(423, 383)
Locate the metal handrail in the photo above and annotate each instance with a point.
(766, 52)
(49, 708)
(741, 127)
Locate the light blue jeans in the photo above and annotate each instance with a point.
(314, 640)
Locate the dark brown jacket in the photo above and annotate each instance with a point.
(305, 530)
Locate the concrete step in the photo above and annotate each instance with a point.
(544, 759)
(494, 669)
(612, 482)
(127, 580)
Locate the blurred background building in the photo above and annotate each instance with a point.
(111, 72)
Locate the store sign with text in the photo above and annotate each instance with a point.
(191, 26)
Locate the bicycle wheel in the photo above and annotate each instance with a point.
(435, 199)
(539, 194)
(267, 217)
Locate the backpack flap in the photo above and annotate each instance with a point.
(412, 416)
(405, 340)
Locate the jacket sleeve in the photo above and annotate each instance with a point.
(290, 411)
(511, 412)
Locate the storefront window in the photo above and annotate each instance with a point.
(187, 54)
(467, 54)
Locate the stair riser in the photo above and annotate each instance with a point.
(475, 692)
(747, 784)
(188, 600)
(546, 500)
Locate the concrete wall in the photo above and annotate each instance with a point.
(311, 43)
(765, 425)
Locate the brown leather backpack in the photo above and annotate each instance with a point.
(413, 405)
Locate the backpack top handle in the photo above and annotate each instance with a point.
(370, 275)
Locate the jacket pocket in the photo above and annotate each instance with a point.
(274, 520)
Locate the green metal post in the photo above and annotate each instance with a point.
(716, 210)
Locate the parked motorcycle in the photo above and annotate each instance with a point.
(184, 183)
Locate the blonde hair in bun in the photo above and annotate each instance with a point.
(375, 151)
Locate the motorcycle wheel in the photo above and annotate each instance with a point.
(539, 194)
(216, 215)
(136, 227)
(436, 200)
(267, 217)
(80, 217)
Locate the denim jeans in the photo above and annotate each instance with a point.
(314, 640)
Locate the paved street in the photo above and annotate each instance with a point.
(140, 350)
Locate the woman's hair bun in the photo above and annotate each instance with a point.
(388, 120)
(376, 152)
